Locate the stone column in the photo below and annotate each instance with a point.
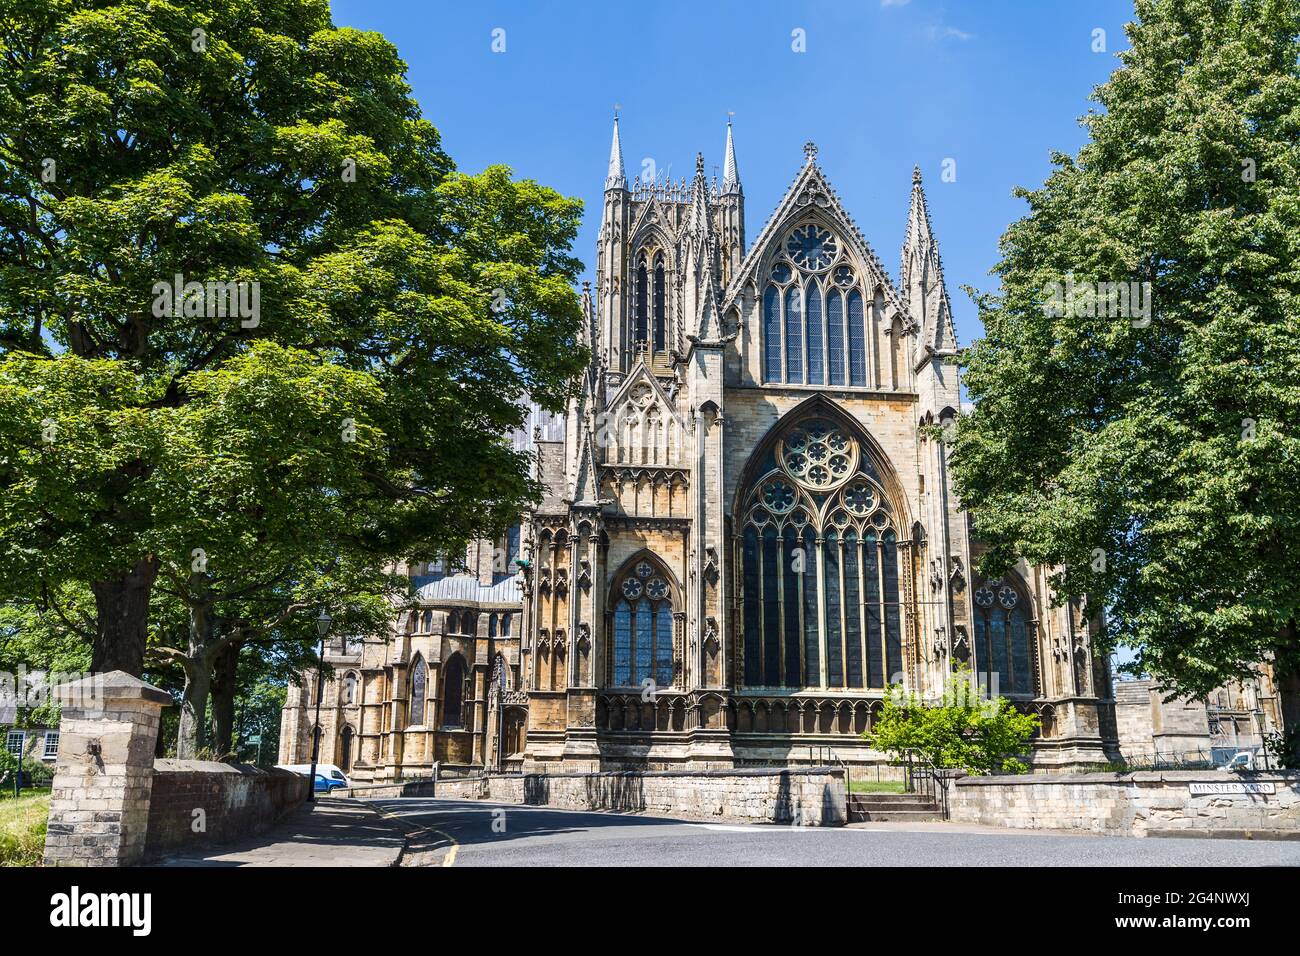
(99, 805)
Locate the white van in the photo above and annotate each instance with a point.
(333, 774)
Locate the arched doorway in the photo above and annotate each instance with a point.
(345, 749)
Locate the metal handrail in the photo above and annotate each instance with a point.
(921, 776)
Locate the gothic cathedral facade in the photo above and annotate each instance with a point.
(749, 530)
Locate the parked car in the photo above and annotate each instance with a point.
(324, 784)
(336, 776)
(1241, 760)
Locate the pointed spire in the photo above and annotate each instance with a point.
(730, 175)
(616, 179)
(921, 276)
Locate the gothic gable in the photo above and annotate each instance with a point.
(811, 194)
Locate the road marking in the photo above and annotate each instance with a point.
(450, 858)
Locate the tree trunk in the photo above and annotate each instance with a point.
(224, 684)
(122, 619)
(1287, 674)
(191, 737)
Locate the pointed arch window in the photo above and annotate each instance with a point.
(453, 691)
(820, 567)
(643, 638)
(642, 300)
(814, 318)
(793, 336)
(857, 340)
(419, 691)
(350, 688)
(660, 340)
(813, 325)
(771, 334)
(1004, 654)
(835, 338)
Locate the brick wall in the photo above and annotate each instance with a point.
(1135, 804)
(198, 802)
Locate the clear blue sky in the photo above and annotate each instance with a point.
(993, 84)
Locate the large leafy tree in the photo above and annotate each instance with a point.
(403, 313)
(1158, 464)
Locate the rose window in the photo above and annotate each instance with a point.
(632, 588)
(1007, 597)
(984, 597)
(778, 496)
(860, 498)
(818, 456)
(812, 247)
(644, 569)
(656, 590)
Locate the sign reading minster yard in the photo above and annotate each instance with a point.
(1198, 789)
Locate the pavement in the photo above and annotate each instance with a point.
(478, 833)
(330, 831)
(421, 831)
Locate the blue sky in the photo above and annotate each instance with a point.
(994, 85)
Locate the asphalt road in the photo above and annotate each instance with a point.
(475, 833)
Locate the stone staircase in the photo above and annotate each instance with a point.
(893, 808)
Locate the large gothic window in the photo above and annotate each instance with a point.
(642, 299)
(453, 691)
(643, 627)
(771, 335)
(659, 338)
(820, 564)
(1003, 638)
(813, 319)
(419, 690)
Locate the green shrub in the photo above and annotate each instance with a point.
(963, 731)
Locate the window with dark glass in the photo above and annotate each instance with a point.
(820, 567)
(643, 628)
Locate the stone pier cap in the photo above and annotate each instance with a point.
(97, 692)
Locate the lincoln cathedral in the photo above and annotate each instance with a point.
(748, 531)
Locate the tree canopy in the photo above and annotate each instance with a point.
(1153, 456)
(248, 306)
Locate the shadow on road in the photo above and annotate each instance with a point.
(470, 822)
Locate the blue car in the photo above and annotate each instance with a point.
(324, 784)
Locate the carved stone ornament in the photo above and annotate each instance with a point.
(711, 642)
(584, 637)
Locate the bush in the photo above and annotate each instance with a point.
(964, 731)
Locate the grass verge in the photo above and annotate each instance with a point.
(22, 829)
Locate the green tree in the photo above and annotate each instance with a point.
(393, 314)
(1157, 463)
(964, 731)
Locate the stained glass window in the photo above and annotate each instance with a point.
(857, 341)
(793, 336)
(835, 338)
(659, 303)
(771, 335)
(813, 323)
(419, 690)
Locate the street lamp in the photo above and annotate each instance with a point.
(322, 628)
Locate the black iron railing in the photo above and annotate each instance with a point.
(922, 777)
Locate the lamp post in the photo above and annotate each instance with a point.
(322, 628)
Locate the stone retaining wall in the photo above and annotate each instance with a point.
(197, 802)
(1159, 803)
(810, 797)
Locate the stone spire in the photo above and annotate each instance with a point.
(730, 175)
(616, 179)
(921, 277)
